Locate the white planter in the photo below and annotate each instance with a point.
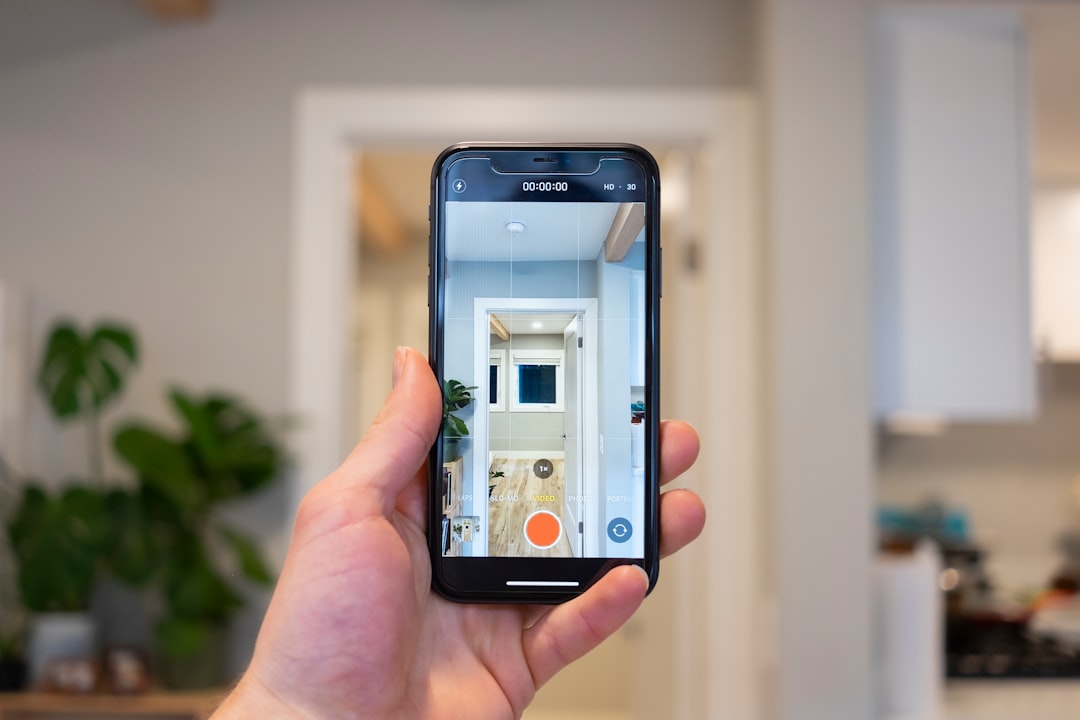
(58, 635)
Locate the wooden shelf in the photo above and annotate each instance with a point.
(158, 705)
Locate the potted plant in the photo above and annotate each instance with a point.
(494, 475)
(456, 396)
(59, 539)
(223, 452)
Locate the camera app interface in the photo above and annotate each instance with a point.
(543, 335)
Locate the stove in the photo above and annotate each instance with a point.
(997, 648)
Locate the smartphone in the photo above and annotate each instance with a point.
(544, 334)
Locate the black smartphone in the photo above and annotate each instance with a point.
(544, 334)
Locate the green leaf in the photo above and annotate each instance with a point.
(87, 521)
(232, 448)
(162, 463)
(251, 562)
(111, 352)
(29, 514)
(457, 426)
(79, 373)
(200, 426)
(111, 376)
(195, 589)
(115, 339)
(134, 550)
(58, 542)
(61, 370)
(456, 394)
(183, 637)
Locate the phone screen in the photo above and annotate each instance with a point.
(545, 281)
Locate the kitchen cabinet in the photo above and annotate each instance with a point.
(952, 293)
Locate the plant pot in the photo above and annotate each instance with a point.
(451, 449)
(199, 670)
(58, 635)
(12, 674)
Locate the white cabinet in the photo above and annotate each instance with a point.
(952, 320)
(1056, 265)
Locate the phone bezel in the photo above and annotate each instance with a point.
(473, 579)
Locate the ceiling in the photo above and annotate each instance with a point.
(402, 177)
(524, 323)
(476, 231)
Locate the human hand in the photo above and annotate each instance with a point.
(354, 629)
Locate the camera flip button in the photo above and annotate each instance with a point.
(620, 530)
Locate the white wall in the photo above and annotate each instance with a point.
(1055, 267)
(815, 85)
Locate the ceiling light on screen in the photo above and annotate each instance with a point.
(537, 325)
(515, 227)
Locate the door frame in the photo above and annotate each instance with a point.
(571, 333)
(482, 307)
(719, 577)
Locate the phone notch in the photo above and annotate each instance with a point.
(549, 163)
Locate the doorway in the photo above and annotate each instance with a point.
(543, 436)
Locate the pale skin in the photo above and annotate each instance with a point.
(354, 629)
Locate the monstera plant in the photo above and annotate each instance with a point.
(81, 373)
(62, 539)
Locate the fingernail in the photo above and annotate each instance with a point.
(400, 353)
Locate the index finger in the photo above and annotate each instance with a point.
(679, 446)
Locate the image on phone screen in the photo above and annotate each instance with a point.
(543, 324)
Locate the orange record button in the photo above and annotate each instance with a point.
(543, 529)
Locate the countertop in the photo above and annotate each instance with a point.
(1007, 700)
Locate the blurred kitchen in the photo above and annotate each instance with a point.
(871, 224)
(978, 373)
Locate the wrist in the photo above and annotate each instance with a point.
(251, 698)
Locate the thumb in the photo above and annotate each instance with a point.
(397, 443)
